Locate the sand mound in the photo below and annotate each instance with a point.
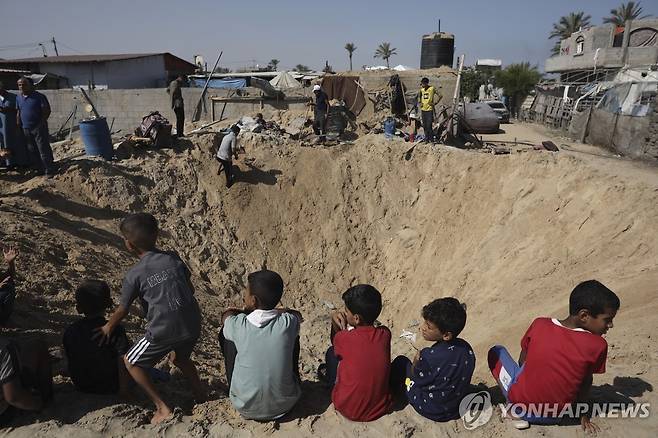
(508, 235)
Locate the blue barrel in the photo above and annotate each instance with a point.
(96, 137)
(389, 127)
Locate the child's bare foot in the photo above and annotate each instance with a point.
(161, 414)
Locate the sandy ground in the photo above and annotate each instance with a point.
(510, 235)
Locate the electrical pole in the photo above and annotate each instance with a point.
(55, 46)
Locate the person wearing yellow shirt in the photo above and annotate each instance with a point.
(426, 100)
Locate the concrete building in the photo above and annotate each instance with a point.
(605, 49)
(122, 71)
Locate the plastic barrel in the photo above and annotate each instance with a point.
(96, 137)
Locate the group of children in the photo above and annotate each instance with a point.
(261, 347)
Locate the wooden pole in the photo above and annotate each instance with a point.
(75, 111)
(197, 110)
(455, 97)
(93, 108)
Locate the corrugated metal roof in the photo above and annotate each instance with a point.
(11, 70)
(80, 58)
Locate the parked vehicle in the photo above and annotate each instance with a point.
(500, 109)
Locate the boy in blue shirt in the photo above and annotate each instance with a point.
(440, 375)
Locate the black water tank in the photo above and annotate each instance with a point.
(437, 49)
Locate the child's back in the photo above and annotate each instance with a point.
(558, 359)
(362, 390)
(441, 378)
(94, 368)
(161, 281)
(263, 384)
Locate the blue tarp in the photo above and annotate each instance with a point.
(231, 84)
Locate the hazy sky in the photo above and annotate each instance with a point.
(292, 31)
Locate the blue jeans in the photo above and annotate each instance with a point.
(506, 371)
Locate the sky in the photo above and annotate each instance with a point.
(310, 33)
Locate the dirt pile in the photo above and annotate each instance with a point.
(508, 235)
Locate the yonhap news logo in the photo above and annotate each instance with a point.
(475, 409)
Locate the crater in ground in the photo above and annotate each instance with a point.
(508, 235)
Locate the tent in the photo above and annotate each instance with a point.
(284, 81)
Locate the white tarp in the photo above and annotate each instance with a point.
(285, 81)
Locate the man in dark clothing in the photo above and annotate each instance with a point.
(176, 96)
(320, 114)
(33, 112)
(9, 135)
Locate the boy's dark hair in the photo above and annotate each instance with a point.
(363, 300)
(424, 81)
(140, 229)
(267, 286)
(93, 296)
(448, 314)
(592, 296)
(235, 129)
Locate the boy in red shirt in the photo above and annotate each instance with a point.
(558, 358)
(358, 364)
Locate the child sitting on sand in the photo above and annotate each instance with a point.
(161, 281)
(94, 368)
(7, 284)
(440, 375)
(260, 344)
(25, 376)
(358, 363)
(558, 358)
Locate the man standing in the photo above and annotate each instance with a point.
(228, 147)
(176, 96)
(426, 100)
(33, 112)
(320, 114)
(9, 135)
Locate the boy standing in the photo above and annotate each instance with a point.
(358, 364)
(260, 345)
(558, 358)
(440, 375)
(93, 368)
(227, 148)
(161, 281)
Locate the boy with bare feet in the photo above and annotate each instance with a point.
(161, 281)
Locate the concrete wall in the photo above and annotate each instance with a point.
(602, 37)
(127, 107)
(635, 137)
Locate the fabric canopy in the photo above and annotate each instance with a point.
(284, 80)
(231, 84)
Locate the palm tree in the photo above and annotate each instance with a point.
(517, 80)
(625, 12)
(567, 25)
(274, 63)
(351, 48)
(385, 51)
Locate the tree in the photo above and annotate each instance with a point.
(470, 83)
(274, 64)
(301, 68)
(385, 51)
(517, 80)
(625, 12)
(351, 48)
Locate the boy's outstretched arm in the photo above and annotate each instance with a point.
(106, 331)
(19, 397)
(583, 396)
